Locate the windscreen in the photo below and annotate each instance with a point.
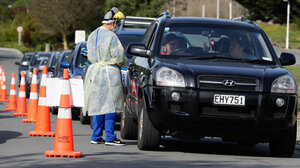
(203, 41)
(38, 58)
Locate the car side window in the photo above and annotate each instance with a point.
(148, 34)
(70, 59)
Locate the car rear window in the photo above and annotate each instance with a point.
(129, 38)
(36, 60)
(27, 57)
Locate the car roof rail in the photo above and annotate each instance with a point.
(242, 18)
(132, 21)
(166, 14)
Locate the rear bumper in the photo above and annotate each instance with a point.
(195, 114)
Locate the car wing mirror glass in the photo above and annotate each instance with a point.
(84, 52)
(138, 49)
(287, 59)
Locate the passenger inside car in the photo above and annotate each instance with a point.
(222, 46)
(237, 48)
(171, 42)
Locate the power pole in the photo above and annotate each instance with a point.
(230, 10)
(203, 10)
(218, 9)
(174, 8)
(287, 25)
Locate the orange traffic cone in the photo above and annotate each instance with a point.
(43, 126)
(3, 88)
(33, 100)
(1, 70)
(21, 110)
(63, 142)
(12, 105)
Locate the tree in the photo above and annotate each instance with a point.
(147, 8)
(64, 17)
(275, 10)
(5, 12)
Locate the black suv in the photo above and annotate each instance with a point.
(203, 88)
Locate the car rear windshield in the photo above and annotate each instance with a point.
(36, 60)
(129, 38)
(205, 41)
(27, 57)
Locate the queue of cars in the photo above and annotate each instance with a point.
(200, 89)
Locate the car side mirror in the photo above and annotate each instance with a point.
(287, 59)
(138, 49)
(17, 63)
(51, 69)
(65, 65)
(84, 52)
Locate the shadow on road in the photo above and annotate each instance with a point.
(6, 116)
(209, 146)
(6, 135)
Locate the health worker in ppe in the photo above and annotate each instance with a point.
(103, 90)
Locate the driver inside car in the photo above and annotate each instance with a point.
(171, 42)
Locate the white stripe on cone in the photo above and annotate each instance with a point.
(64, 113)
(33, 95)
(34, 79)
(12, 92)
(3, 87)
(22, 94)
(42, 101)
(44, 78)
(65, 87)
(13, 81)
(22, 81)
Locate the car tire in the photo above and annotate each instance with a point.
(128, 128)
(148, 137)
(85, 120)
(27, 93)
(284, 144)
(54, 110)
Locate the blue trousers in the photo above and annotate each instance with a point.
(110, 120)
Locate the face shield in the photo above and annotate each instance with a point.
(117, 20)
(117, 24)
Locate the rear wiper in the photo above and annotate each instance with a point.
(259, 61)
